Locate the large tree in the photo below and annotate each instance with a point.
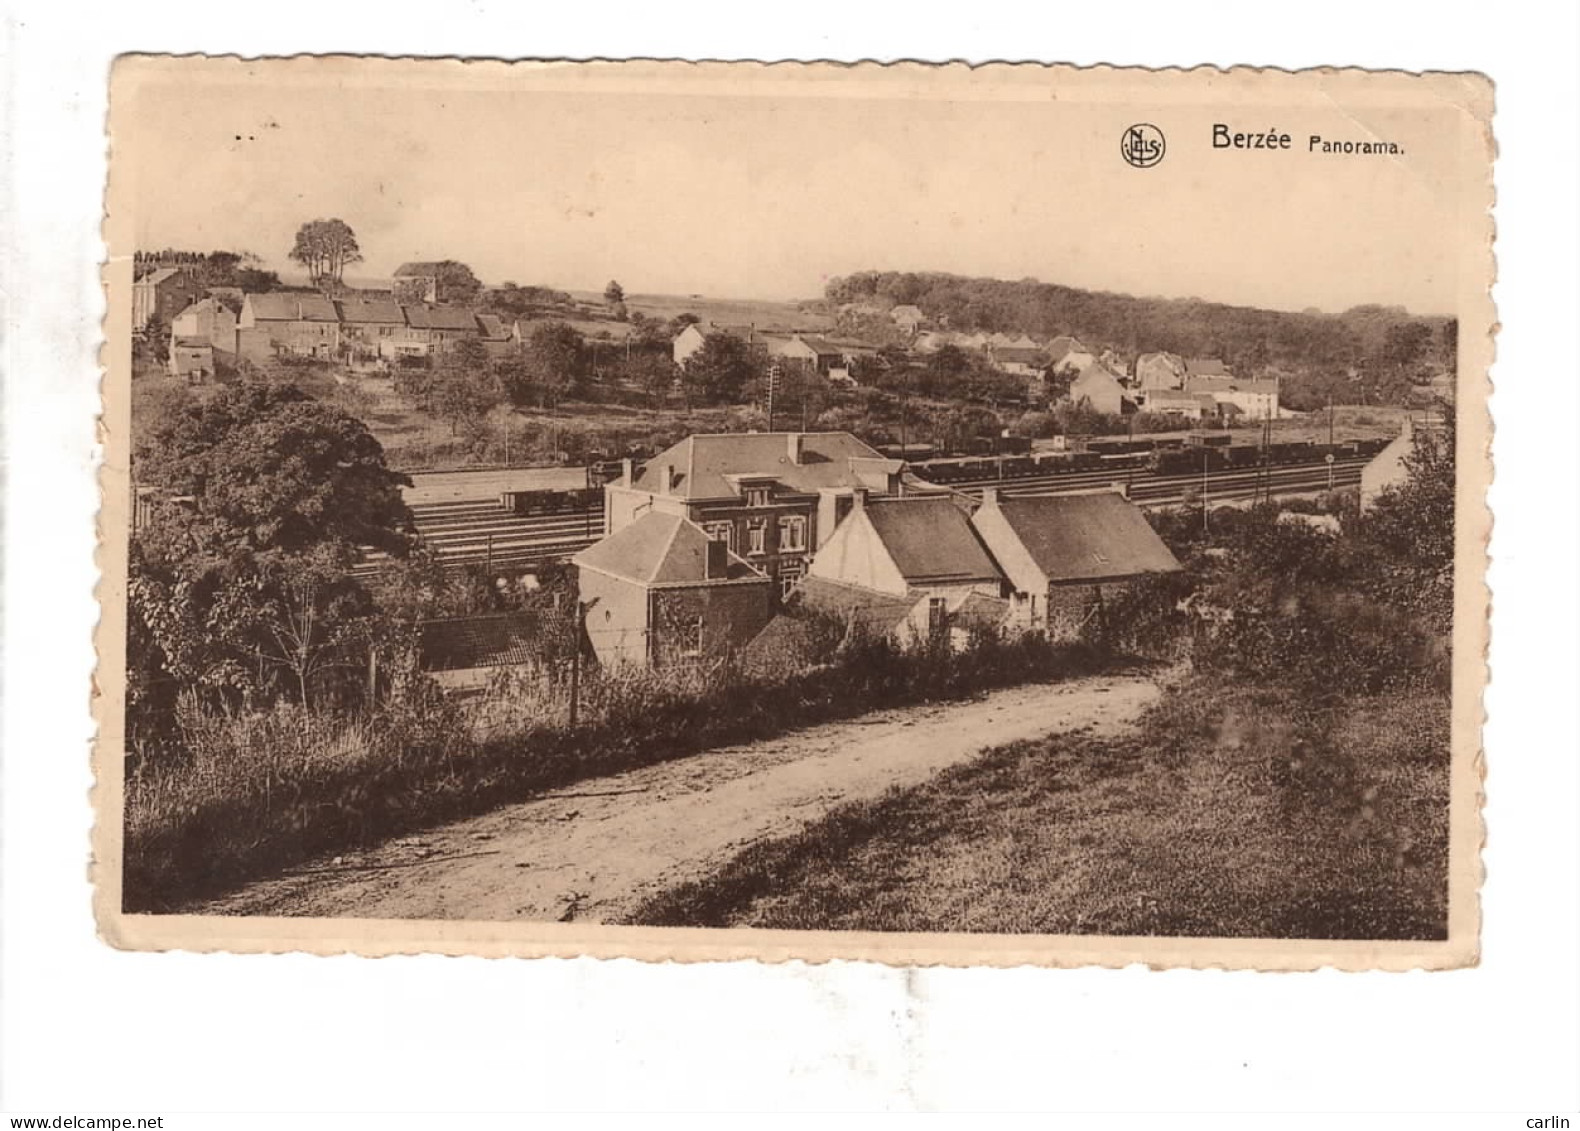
(326, 248)
(554, 360)
(722, 369)
(455, 282)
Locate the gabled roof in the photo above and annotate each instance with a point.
(154, 278)
(419, 269)
(930, 540)
(705, 462)
(868, 608)
(440, 318)
(1205, 367)
(494, 327)
(1086, 537)
(660, 549)
(289, 306)
(457, 643)
(821, 345)
(1062, 346)
(374, 311)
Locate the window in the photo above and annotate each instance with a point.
(721, 532)
(936, 607)
(790, 572)
(792, 533)
(757, 536)
(757, 496)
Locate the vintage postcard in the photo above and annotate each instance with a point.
(930, 514)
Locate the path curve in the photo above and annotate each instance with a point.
(593, 851)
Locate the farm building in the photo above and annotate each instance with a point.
(1065, 555)
(207, 320)
(660, 591)
(463, 653)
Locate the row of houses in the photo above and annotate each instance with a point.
(835, 360)
(356, 329)
(719, 541)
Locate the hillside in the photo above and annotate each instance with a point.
(1365, 353)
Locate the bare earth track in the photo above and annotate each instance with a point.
(593, 851)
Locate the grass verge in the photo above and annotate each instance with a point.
(1227, 813)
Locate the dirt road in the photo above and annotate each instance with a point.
(593, 851)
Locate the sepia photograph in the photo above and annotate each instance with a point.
(994, 515)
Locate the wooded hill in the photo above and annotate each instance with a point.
(1373, 351)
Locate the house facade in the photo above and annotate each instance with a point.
(366, 325)
(1100, 388)
(163, 294)
(1065, 556)
(283, 323)
(207, 320)
(773, 498)
(1160, 371)
(438, 328)
(908, 566)
(660, 591)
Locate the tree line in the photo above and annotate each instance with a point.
(1367, 350)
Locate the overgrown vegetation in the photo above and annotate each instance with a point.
(1294, 785)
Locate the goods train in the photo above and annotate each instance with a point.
(1166, 456)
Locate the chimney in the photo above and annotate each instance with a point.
(858, 499)
(717, 564)
(990, 496)
(627, 472)
(795, 446)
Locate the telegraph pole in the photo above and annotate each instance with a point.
(1206, 450)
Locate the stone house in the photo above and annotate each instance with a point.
(163, 293)
(438, 328)
(906, 565)
(660, 591)
(287, 323)
(207, 320)
(366, 325)
(1064, 556)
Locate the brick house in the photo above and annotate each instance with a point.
(163, 294)
(772, 497)
(1065, 555)
(660, 591)
(366, 324)
(285, 323)
(908, 566)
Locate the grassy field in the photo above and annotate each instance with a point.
(765, 315)
(1229, 813)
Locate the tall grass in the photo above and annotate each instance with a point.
(244, 795)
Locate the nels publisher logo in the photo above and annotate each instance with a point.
(1142, 145)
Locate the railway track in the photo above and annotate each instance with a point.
(481, 532)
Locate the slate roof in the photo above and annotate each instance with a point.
(1087, 537)
(868, 608)
(1205, 367)
(287, 306)
(931, 540)
(375, 311)
(440, 318)
(704, 461)
(458, 643)
(660, 549)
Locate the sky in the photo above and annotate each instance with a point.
(764, 189)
